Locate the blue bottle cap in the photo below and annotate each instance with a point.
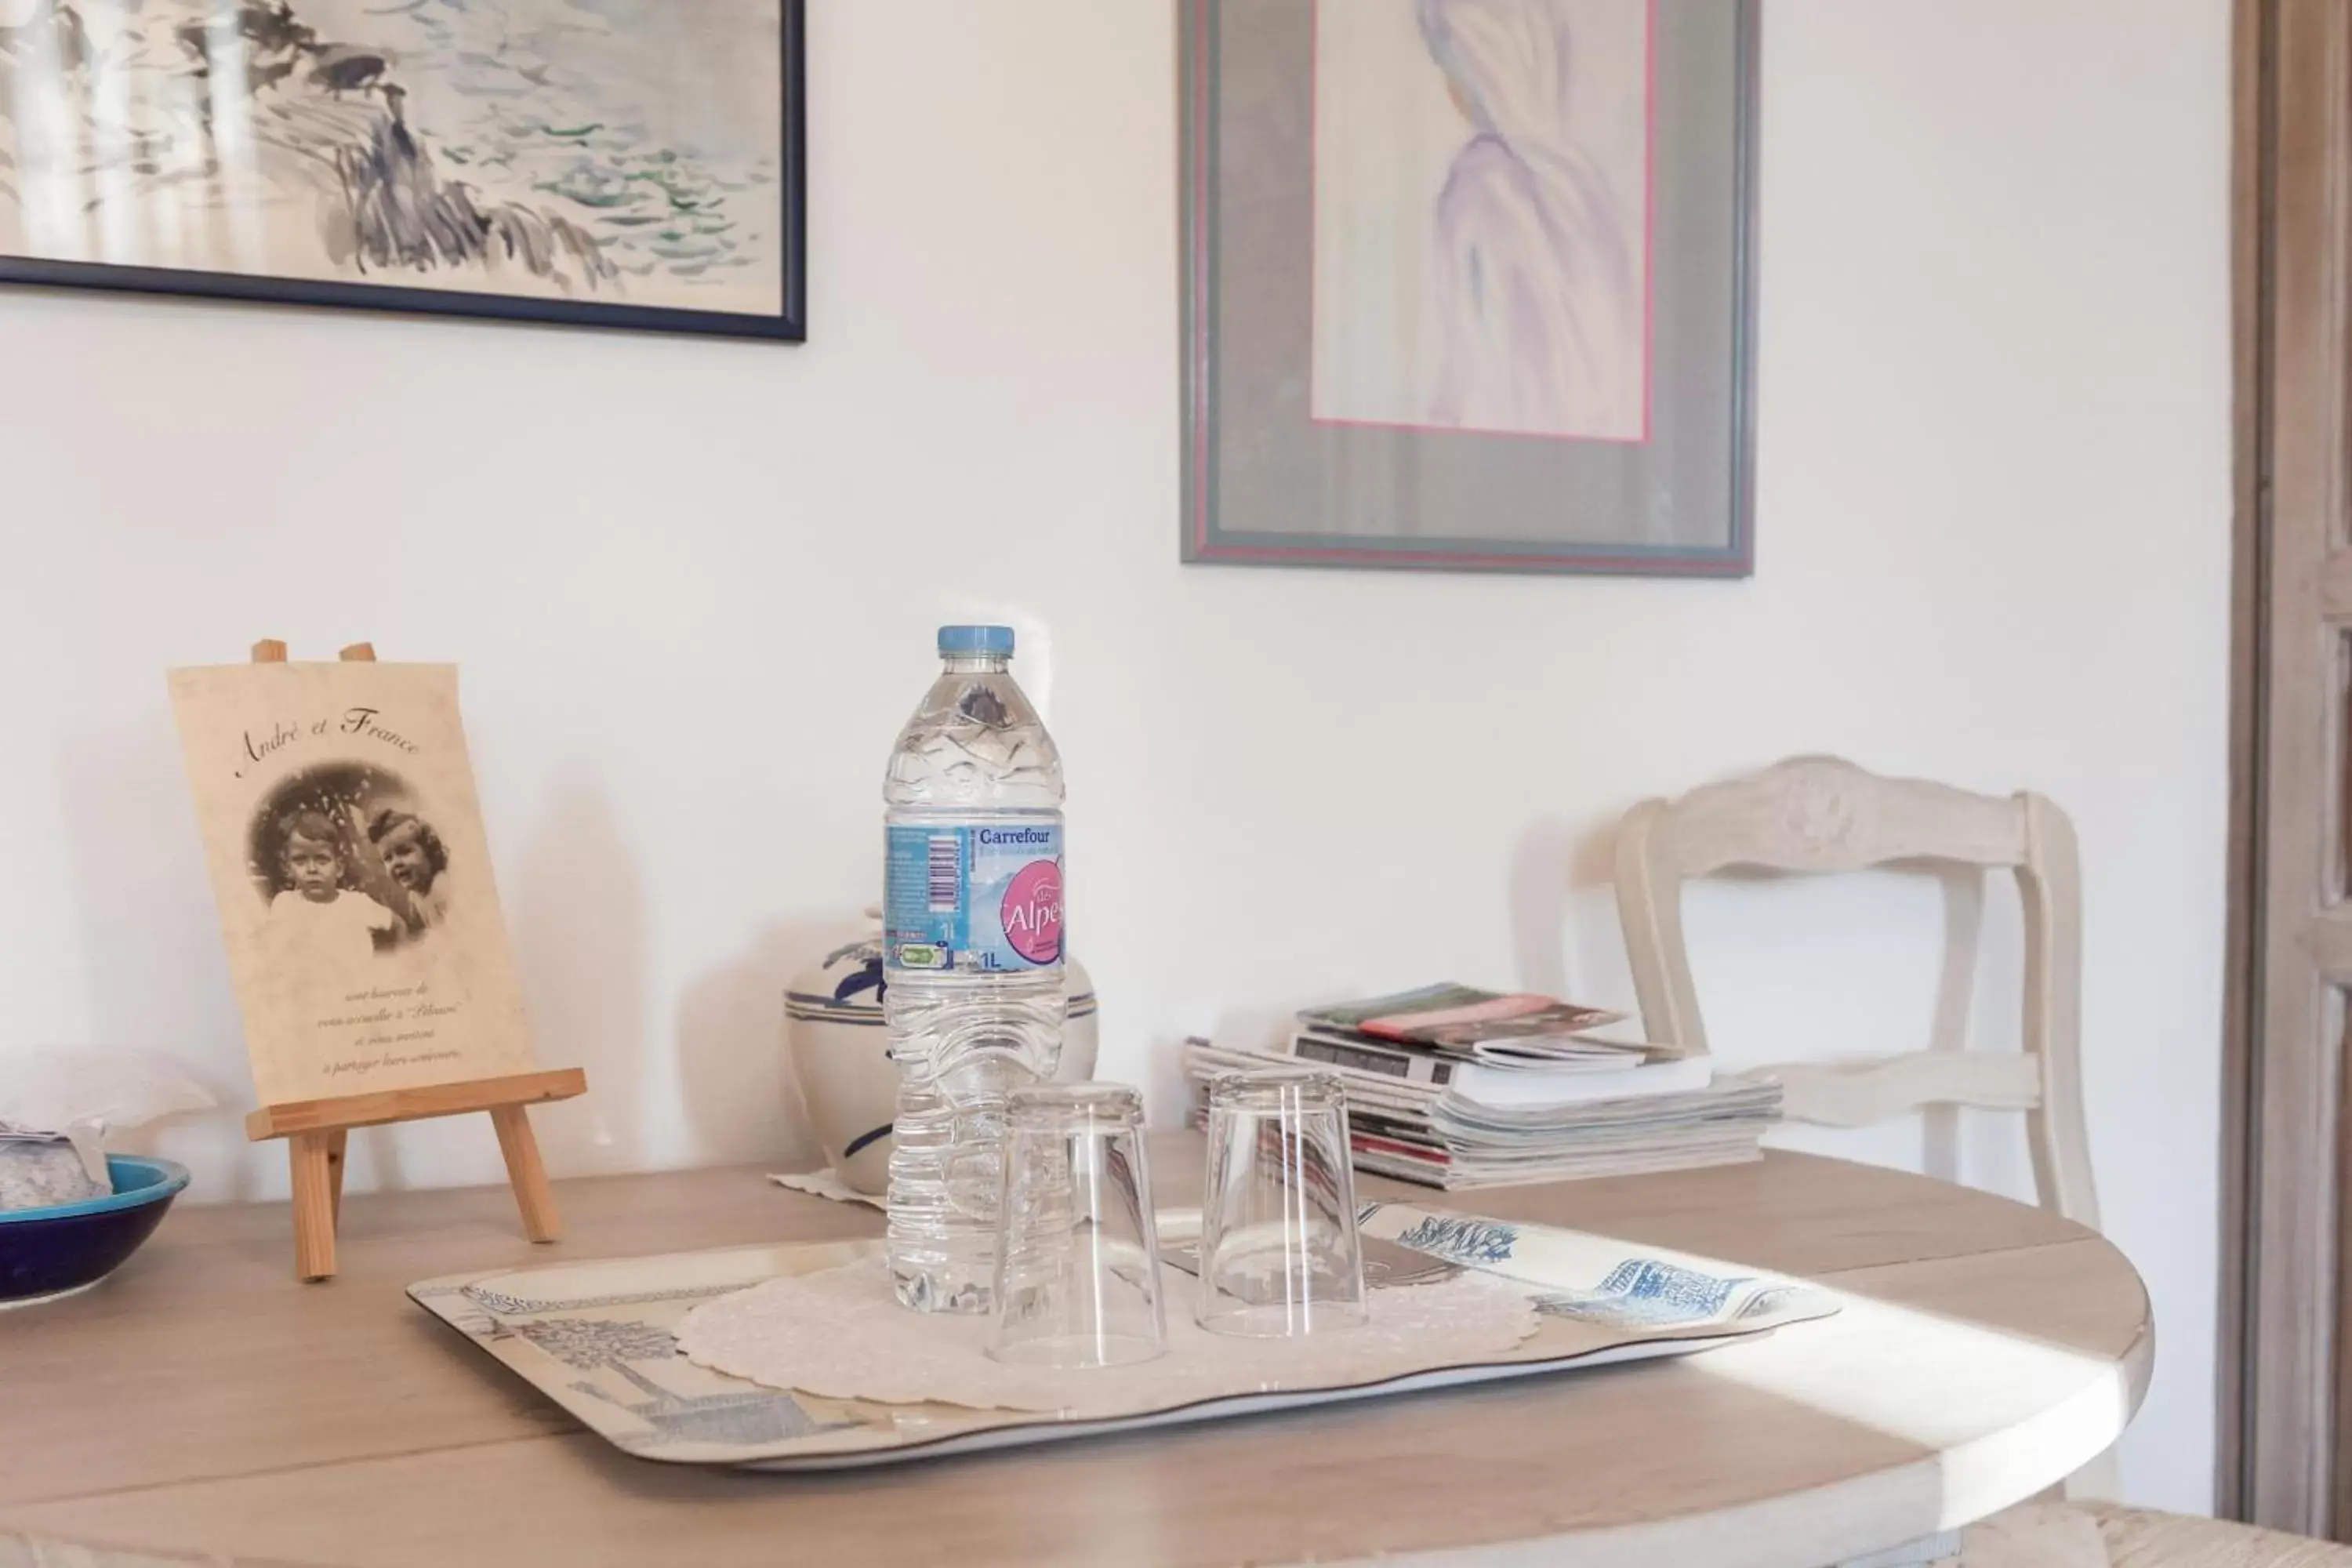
(976, 640)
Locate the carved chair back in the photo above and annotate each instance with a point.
(1815, 816)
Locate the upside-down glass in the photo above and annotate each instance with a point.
(1077, 1270)
(1279, 1252)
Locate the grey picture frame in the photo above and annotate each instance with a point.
(1266, 484)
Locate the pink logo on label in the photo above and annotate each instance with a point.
(1032, 911)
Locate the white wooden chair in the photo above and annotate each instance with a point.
(1821, 815)
(1813, 815)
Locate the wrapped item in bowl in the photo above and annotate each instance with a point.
(57, 1108)
(42, 1171)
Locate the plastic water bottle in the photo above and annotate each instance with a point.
(972, 955)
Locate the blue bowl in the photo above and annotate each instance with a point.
(47, 1253)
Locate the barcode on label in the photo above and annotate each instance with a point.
(946, 866)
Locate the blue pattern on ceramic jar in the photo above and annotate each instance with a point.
(840, 1053)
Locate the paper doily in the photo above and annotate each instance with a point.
(821, 1182)
(839, 1333)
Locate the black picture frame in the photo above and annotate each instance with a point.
(790, 324)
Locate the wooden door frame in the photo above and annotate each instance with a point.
(2249, 247)
(2284, 1397)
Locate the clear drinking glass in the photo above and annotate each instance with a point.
(1279, 1252)
(1077, 1270)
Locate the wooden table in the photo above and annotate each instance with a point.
(204, 1403)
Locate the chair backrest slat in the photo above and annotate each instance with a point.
(1860, 1093)
(1821, 815)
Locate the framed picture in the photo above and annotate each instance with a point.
(606, 163)
(1470, 284)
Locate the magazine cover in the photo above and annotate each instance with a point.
(1458, 1017)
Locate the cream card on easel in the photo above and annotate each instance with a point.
(347, 854)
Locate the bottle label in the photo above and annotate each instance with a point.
(974, 900)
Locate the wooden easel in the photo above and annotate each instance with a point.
(317, 1129)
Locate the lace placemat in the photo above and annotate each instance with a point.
(840, 1335)
(821, 1182)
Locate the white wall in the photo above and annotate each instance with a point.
(692, 586)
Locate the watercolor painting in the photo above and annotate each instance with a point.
(628, 162)
(1470, 285)
(1482, 246)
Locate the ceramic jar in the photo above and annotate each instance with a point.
(839, 1053)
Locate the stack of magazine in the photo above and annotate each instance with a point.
(1456, 1087)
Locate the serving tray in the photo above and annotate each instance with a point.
(599, 1340)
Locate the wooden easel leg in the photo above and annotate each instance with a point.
(314, 1206)
(335, 1142)
(318, 1131)
(532, 1194)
